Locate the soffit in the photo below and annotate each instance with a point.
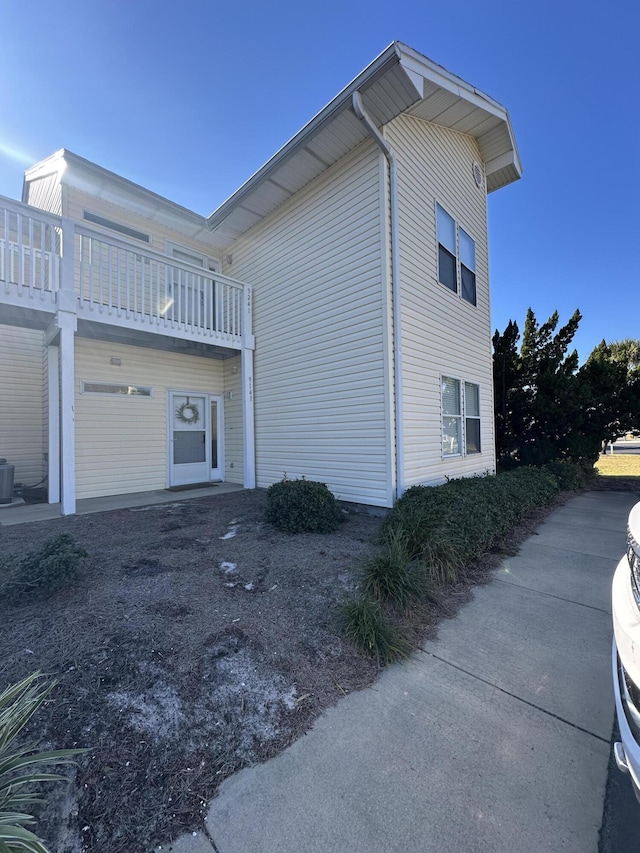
(399, 81)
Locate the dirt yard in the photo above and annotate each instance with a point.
(198, 640)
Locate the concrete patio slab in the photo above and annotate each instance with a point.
(86, 506)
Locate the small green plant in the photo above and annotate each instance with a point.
(364, 623)
(18, 703)
(302, 506)
(441, 557)
(53, 566)
(390, 576)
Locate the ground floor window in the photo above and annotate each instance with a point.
(460, 417)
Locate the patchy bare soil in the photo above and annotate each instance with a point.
(198, 640)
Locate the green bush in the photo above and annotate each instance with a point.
(53, 566)
(429, 535)
(571, 475)
(302, 506)
(364, 622)
(446, 526)
(18, 703)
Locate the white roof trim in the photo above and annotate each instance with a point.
(408, 75)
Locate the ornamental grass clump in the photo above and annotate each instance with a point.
(302, 506)
(365, 624)
(19, 765)
(390, 576)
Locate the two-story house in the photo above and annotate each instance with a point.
(329, 320)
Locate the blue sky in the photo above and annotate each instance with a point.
(189, 99)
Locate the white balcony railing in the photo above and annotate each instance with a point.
(114, 282)
(120, 283)
(29, 253)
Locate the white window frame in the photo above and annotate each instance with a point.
(470, 417)
(462, 418)
(121, 228)
(114, 389)
(458, 417)
(460, 249)
(209, 264)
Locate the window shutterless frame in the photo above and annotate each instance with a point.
(472, 443)
(451, 416)
(456, 256)
(186, 255)
(114, 388)
(460, 417)
(118, 227)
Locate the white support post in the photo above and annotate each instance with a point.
(53, 427)
(248, 418)
(67, 322)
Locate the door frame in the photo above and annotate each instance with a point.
(214, 474)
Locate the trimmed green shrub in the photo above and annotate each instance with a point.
(55, 565)
(364, 623)
(571, 475)
(302, 506)
(446, 526)
(18, 703)
(429, 535)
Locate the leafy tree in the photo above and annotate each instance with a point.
(611, 402)
(534, 390)
(547, 408)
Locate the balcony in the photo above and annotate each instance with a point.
(48, 263)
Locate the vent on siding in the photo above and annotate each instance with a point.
(478, 174)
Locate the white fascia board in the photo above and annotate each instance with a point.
(509, 158)
(386, 60)
(422, 65)
(125, 193)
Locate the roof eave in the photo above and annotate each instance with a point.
(386, 60)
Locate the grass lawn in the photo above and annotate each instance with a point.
(622, 465)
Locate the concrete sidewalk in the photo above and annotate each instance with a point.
(494, 737)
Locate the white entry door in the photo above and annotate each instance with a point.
(195, 446)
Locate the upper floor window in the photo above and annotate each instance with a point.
(115, 226)
(456, 256)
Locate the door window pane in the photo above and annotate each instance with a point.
(188, 447)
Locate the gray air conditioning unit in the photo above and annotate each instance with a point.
(6, 481)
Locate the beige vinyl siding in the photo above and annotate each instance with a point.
(76, 202)
(233, 445)
(121, 442)
(317, 268)
(441, 333)
(21, 410)
(46, 193)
